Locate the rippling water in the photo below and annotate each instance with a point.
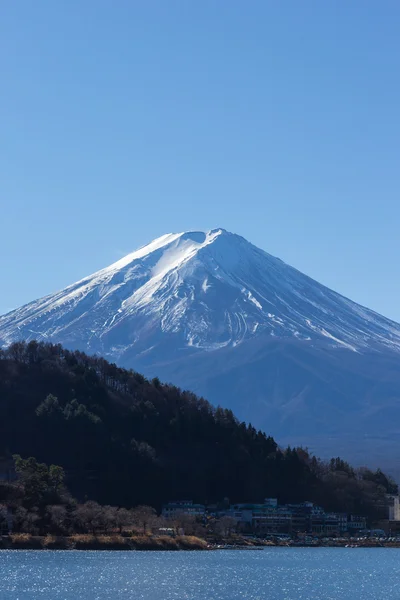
(273, 574)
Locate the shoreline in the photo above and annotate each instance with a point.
(22, 541)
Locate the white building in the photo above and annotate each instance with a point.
(183, 507)
(393, 507)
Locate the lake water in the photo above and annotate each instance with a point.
(272, 573)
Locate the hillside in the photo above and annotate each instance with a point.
(125, 440)
(211, 312)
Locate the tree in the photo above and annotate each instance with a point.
(381, 479)
(144, 517)
(34, 478)
(226, 525)
(123, 518)
(90, 516)
(183, 523)
(26, 520)
(56, 478)
(49, 407)
(3, 517)
(41, 484)
(57, 515)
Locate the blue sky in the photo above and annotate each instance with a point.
(121, 121)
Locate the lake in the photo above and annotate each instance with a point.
(272, 573)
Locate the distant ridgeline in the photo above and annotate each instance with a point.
(125, 440)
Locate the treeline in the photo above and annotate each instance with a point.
(38, 502)
(124, 440)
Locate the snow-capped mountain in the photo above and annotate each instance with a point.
(208, 290)
(212, 311)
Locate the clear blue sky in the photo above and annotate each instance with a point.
(121, 121)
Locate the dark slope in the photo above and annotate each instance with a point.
(125, 440)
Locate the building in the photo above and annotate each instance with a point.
(303, 518)
(356, 523)
(341, 521)
(393, 506)
(328, 524)
(166, 531)
(298, 519)
(183, 507)
(268, 517)
(277, 520)
(302, 514)
(391, 528)
(260, 518)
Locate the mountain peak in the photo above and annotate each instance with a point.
(203, 290)
(169, 251)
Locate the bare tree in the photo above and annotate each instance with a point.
(26, 521)
(3, 517)
(184, 523)
(226, 525)
(117, 518)
(144, 517)
(57, 515)
(90, 516)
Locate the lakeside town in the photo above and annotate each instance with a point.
(65, 523)
(270, 520)
(37, 511)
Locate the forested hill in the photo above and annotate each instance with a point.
(125, 440)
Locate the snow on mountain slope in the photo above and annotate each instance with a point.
(195, 291)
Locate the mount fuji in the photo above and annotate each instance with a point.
(211, 312)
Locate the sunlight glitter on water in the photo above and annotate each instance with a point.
(276, 574)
